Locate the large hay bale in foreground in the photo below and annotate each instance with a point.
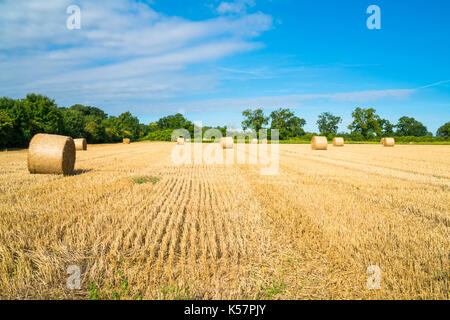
(389, 142)
(254, 141)
(227, 142)
(51, 154)
(126, 141)
(319, 143)
(180, 141)
(338, 142)
(80, 144)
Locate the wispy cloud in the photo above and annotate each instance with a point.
(237, 6)
(127, 55)
(371, 95)
(124, 50)
(434, 84)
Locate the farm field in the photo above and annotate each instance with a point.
(141, 227)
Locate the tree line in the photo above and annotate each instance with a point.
(366, 125)
(21, 119)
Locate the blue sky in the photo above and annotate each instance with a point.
(212, 59)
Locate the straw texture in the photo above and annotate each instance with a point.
(389, 142)
(338, 142)
(51, 154)
(319, 143)
(227, 142)
(80, 144)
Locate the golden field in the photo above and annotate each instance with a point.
(203, 231)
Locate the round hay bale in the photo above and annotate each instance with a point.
(254, 141)
(180, 141)
(126, 141)
(389, 142)
(264, 141)
(319, 143)
(51, 154)
(338, 142)
(382, 140)
(227, 142)
(80, 144)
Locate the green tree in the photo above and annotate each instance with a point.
(6, 129)
(254, 119)
(93, 112)
(46, 116)
(21, 119)
(408, 126)
(287, 123)
(6, 103)
(444, 131)
(387, 128)
(143, 130)
(9, 135)
(95, 132)
(328, 124)
(74, 123)
(366, 123)
(31, 115)
(177, 121)
(129, 125)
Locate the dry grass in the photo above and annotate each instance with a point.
(140, 227)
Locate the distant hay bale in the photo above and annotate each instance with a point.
(126, 141)
(227, 142)
(338, 142)
(382, 140)
(264, 141)
(389, 142)
(51, 154)
(319, 143)
(180, 141)
(254, 141)
(80, 144)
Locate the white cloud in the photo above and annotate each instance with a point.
(127, 55)
(372, 95)
(237, 6)
(123, 50)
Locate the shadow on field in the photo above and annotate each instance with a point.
(79, 172)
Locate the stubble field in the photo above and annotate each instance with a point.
(140, 227)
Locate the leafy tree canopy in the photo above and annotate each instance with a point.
(90, 111)
(328, 124)
(287, 123)
(387, 128)
(444, 131)
(254, 119)
(177, 121)
(407, 126)
(366, 123)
